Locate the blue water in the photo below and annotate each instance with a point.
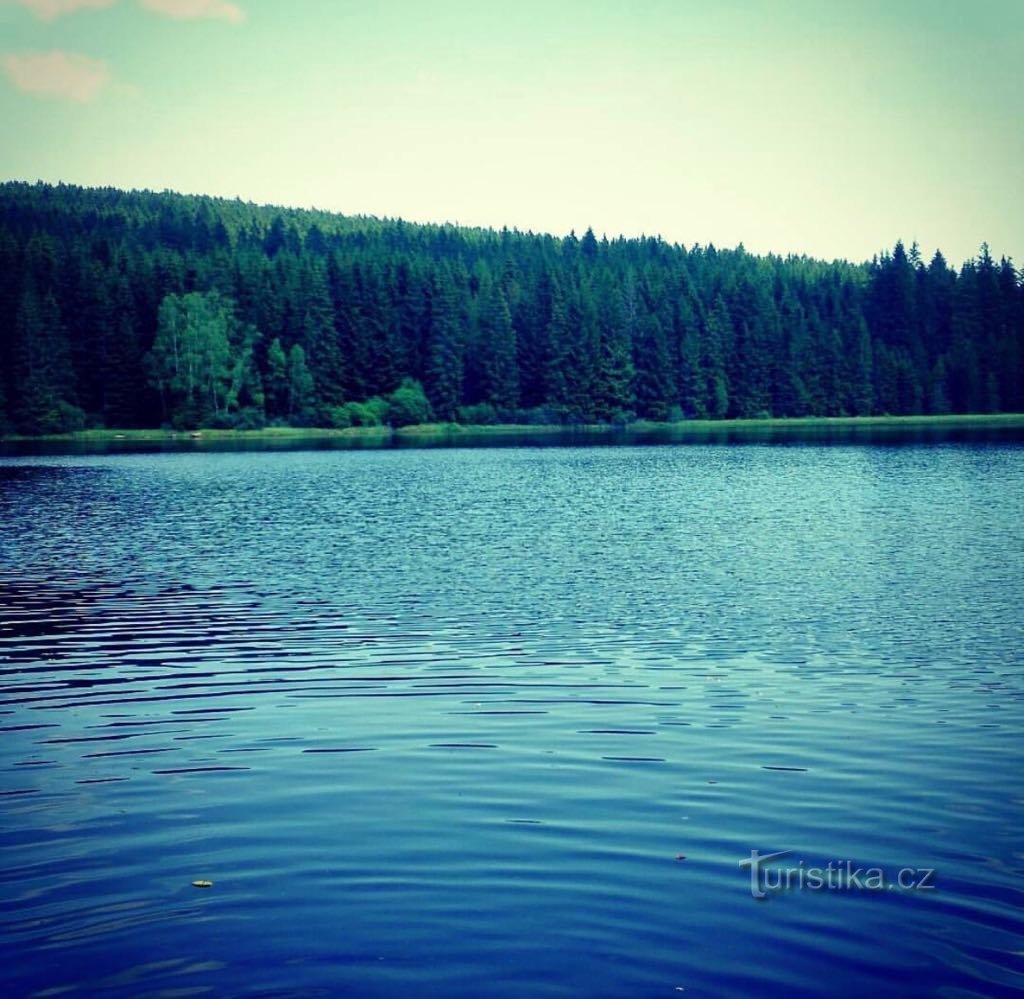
(443, 723)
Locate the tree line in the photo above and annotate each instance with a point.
(137, 309)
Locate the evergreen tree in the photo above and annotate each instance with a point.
(655, 388)
(613, 393)
(445, 367)
(500, 376)
(301, 387)
(43, 374)
(276, 381)
(319, 336)
(718, 333)
(139, 307)
(122, 391)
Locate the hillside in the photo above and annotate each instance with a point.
(133, 309)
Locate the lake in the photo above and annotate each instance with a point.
(506, 722)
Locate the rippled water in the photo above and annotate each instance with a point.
(445, 722)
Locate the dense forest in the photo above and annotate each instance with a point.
(139, 309)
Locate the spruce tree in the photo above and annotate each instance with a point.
(445, 363)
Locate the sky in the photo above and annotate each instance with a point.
(790, 126)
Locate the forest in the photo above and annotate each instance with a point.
(139, 309)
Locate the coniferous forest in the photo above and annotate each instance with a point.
(138, 309)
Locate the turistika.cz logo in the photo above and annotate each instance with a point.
(837, 875)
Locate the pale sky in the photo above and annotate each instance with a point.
(827, 128)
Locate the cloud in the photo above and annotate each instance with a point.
(60, 75)
(49, 10)
(182, 10)
(222, 10)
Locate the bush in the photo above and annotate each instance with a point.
(540, 416)
(375, 412)
(220, 421)
(338, 417)
(51, 416)
(187, 417)
(408, 404)
(71, 418)
(249, 418)
(483, 414)
(371, 413)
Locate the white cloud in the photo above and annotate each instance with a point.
(222, 10)
(60, 75)
(182, 10)
(49, 10)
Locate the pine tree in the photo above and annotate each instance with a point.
(122, 388)
(585, 328)
(445, 364)
(301, 387)
(613, 392)
(275, 382)
(718, 333)
(655, 388)
(500, 376)
(319, 337)
(44, 379)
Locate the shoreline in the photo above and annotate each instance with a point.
(383, 435)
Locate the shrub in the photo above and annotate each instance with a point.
(338, 417)
(249, 418)
(219, 421)
(371, 413)
(482, 414)
(375, 412)
(540, 416)
(71, 417)
(52, 416)
(408, 404)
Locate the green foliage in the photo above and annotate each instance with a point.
(375, 412)
(249, 418)
(445, 358)
(136, 309)
(300, 388)
(44, 378)
(372, 413)
(276, 380)
(408, 404)
(481, 414)
(201, 360)
(497, 351)
(338, 417)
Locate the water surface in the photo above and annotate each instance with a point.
(441, 722)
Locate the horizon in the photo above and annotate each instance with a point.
(790, 129)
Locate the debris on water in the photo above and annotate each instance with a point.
(680, 856)
(202, 884)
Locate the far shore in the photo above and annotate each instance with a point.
(480, 435)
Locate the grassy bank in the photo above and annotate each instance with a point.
(953, 421)
(475, 435)
(156, 435)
